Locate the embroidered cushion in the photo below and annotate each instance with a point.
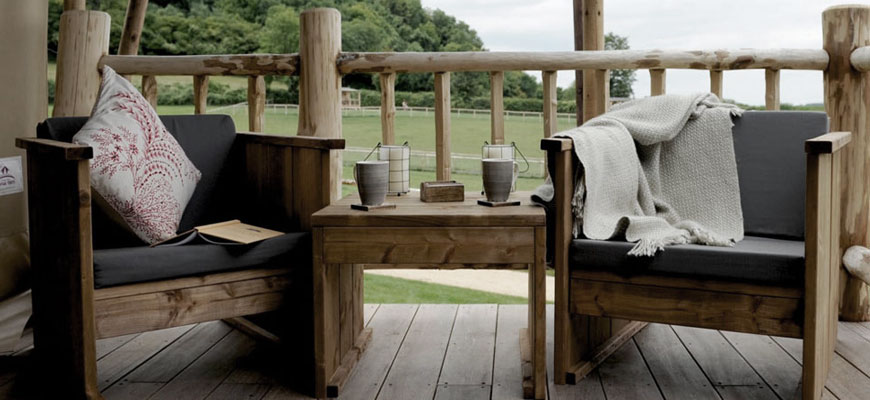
(139, 170)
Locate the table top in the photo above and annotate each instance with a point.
(410, 211)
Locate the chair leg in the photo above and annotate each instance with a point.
(815, 370)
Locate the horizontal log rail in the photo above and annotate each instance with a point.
(485, 61)
(860, 59)
(227, 64)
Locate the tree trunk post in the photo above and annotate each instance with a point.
(847, 102)
(578, 75)
(320, 81)
(83, 40)
(596, 83)
(132, 32)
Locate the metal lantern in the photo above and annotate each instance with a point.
(504, 152)
(399, 158)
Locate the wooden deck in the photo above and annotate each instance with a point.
(465, 352)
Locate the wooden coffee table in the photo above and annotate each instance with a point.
(419, 235)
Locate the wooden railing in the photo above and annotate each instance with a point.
(320, 64)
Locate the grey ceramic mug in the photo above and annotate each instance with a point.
(372, 180)
(498, 177)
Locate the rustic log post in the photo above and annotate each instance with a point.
(716, 82)
(149, 89)
(200, 93)
(551, 125)
(496, 106)
(657, 81)
(84, 39)
(388, 107)
(132, 32)
(320, 81)
(771, 89)
(442, 126)
(256, 103)
(596, 83)
(847, 102)
(73, 5)
(578, 75)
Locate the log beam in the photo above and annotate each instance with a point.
(388, 108)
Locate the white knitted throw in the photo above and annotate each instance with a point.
(658, 171)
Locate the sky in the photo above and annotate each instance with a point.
(547, 25)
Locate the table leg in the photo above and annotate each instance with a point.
(537, 317)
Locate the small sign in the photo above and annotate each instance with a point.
(11, 177)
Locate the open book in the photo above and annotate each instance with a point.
(222, 233)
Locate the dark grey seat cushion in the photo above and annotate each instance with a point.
(755, 260)
(207, 140)
(121, 266)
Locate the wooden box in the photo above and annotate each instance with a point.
(432, 192)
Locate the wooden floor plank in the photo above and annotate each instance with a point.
(778, 369)
(237, 391)
(369, 311)
(126, 358)
(131, 390)
(674, 369)
(507, 376)
(206, 373)
(106, 346)
(459, 392)
(283, 393)
(624, 375)
(181, 353)
(844, 380)
(470, 353)
(415, 370)
(732, 377)
(389, 325)
(588, 389)
(854, 347)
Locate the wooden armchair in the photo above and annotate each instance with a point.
(92, 280)
(770, 283)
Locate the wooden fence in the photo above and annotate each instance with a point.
(320, 63)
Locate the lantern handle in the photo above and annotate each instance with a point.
(521, 155)
(377, 146)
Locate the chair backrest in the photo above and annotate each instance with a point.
(771, 164)
(206, 139)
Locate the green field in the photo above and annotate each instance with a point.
(388, 290)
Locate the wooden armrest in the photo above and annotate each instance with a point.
(311, 142)
(828, 143)
(557, 144)
(54, 148)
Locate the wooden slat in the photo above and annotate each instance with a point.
(349, 359)
(845, 381)
(657, 81)
(828, 143)
(589, 388)
(132, 390)
(551, 123)
(54, 149)
(611, 343)
(506, 374)
(149, 89)
(731, 375)
(369, 311)
(227, 64)
(496, 103)
(309, 142)
(675, 372)
(716, 82)
(106, 346)
(256, 103)
(415, 370)
(200, 93)
(625, 376)
(208, 371)
(388, 107)
(462, 392)
(184, 283)
(233, 391)
(390, 324)
(115, 316)
(537, 324)
(770, 361)
(442, 126)
(743, 313)
(129, 356)
(436, 245)
(472, 346)
(817, 312)
(689, 283)
(771, 89)
(175, 357)
(483, 61)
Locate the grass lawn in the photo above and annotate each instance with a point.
(388, 290)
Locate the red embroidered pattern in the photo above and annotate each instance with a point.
(154, 160)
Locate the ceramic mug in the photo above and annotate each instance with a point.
(498, 177)
(372, 180)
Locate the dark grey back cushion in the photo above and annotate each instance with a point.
(771, 164)
(206, 139)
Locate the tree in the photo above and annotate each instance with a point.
(620, 79)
